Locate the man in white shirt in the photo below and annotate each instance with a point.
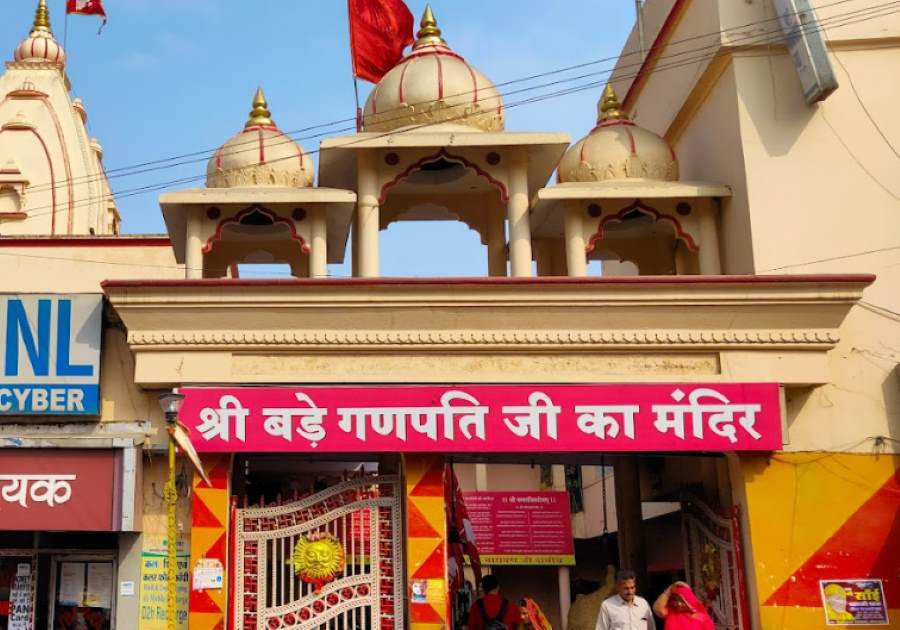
(625, 610)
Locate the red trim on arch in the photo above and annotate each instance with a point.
(645, 209)
(496, 183)
(236, 219)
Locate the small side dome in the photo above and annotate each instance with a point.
(40, 46)
(617, 149)
(260, 155)
(97, 148)
(433, 85)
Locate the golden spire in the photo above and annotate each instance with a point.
(260, 114)
(610, 108)
(41, 17)
(429, 34)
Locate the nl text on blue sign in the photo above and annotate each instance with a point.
(50, 354)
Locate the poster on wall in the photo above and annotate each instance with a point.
(527, 528)
(99, 585)
(154, 585)
(21, 602)
(71, 584)
(854, 602)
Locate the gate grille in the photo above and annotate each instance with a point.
(364, 515)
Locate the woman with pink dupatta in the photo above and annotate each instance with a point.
(681, 610)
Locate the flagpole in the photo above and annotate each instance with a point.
(66, 32)
(353, 70)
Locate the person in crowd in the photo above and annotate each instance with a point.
(625, 610)
(533, 618)
(681, 609)
(492, 611)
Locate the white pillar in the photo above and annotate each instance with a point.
(576, 254)
(565, 591)
(193, 246)
(710, 264)
(517, 216)
(367, 213)
(318, 255)
(496, 243)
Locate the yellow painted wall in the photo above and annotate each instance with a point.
(816, 516)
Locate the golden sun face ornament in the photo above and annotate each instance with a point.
(319, 559)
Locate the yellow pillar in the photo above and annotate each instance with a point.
(318, 255)
(496, 243)
(576, 256)
(193, 253)
(426, 536)
(518, 218)
(209, 541)
(367, 214)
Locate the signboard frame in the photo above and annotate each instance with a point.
(804, 41)
(50, 354)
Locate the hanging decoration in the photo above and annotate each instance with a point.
(319, 558)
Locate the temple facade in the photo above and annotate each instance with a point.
(719, 406)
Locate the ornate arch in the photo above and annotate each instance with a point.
(247, 212)
(443, 154)
(642, 208)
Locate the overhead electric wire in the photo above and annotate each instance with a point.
(881, 12)
(172, 162)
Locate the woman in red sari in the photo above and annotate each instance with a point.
(681, 609)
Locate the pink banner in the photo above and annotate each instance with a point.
(485, 418)
(521, 527)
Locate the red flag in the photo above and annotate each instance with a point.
(86, 7)
(460, 538)
(379, 31)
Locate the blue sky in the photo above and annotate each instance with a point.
(169, 77)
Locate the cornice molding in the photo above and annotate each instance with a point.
(564, 340)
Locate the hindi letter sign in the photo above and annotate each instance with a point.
(58, 489)
(532, 528)
(485, 418)
(854, 602)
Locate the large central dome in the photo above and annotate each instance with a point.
(433, 85)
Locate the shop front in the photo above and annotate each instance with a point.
(339, 503)
(61, 511)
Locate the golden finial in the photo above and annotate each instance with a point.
(41, 17)
(610, 107)
(429, 34)
(260, 114)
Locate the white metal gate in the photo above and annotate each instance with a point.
(364, 516)
(714, 562)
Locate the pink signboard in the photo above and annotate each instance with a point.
(521, 527)
(485, 418)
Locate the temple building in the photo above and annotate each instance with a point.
(719, 406)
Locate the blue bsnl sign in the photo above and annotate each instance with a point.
(50, 354)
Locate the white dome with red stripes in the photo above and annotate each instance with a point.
(433, 85)
(260, 155)
(40, 46)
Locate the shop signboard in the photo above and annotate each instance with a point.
(50, 354)
(59, 489)
(485, 418)
(858, 602)
(805, 41)
(533, 528)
